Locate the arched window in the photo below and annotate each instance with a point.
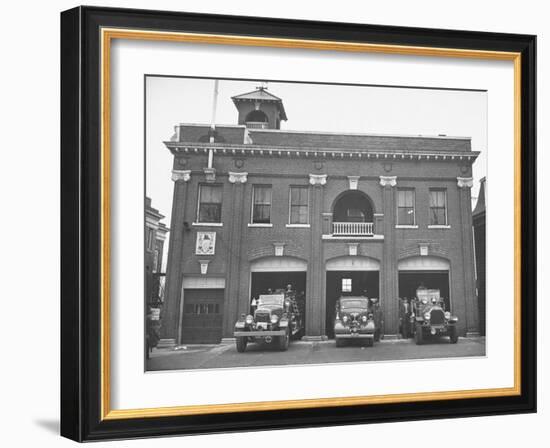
(353, 206)
(257, 116)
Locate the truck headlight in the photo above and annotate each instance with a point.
(427, 316)
(345, 319)
(249, 319)
(447, 315)
(274, 318)
(364, 319)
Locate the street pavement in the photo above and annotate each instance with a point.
(300, 352)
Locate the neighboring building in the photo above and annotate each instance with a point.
(155, 235)
(329, 213)
(479, 219)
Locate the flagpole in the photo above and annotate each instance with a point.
(213, 122)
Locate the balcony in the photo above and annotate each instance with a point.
(352, 229)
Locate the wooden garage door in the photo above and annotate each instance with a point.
(202, 316)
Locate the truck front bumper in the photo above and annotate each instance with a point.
(258, 334)
(354, 336)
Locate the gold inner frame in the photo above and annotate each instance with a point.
(107, 35)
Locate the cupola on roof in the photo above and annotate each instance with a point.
(260, 109)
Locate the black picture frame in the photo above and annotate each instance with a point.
(81, 224)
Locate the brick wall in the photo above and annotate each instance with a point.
(282, 172)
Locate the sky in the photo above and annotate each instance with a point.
(309, 107)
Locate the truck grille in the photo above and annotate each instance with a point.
(437, 317)
(263, 317)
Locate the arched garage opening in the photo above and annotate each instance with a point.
(430, 272)
(349, 276)
(271, 273)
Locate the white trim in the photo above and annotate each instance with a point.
(207, 224)
(203, 283)
(204, 266)
(298, 226)
(434, 226)
(252, 224)
(352, 263)
(353, 182)
(390, 181)
(465, 182)
(178, 175)
(278, 264)
(318, 179)
(403, 226)
(353, 238)
(290, 151)
(423, 263)
(239, 178)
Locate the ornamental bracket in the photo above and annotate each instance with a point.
(318, 179)
(183, 175)
(465, 182)
(237, 178)
(388, 181)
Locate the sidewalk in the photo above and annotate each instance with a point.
(202, 356)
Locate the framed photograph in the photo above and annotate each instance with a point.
(277, 224)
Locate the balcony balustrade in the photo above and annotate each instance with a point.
(353, 229)
(257, 124)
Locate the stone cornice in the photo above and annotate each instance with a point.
(320, 153)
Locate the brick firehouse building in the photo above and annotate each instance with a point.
(257, 207)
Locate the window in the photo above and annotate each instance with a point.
(346, 285)
(156, 261)
(210, 203)
(299, 205)
(150, 239)
(405, 207)
(202, 308)
(438, 207)
(261, 205)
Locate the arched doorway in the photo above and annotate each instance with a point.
(272, 273)
(428, 271)
(351, 276)
(352, 214)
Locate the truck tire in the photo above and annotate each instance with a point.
(418, 336)
(370, 342)
(284, 341)
(241, 342)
